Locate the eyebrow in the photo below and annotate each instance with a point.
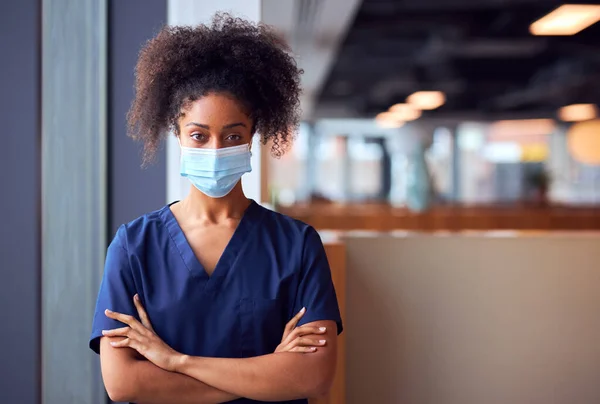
(231, 125)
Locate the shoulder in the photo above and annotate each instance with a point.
(298, 232)
(136, 231)
(286, 223)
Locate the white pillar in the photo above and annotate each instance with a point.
(73, 204)
(194, 12)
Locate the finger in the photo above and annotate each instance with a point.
(289, 327)
(305, 342)
(309, 329)
(124, 318)
(304, 349)
(142, 312)
(309, 342)
(121, 344)
(130, 334)
(117, 332)
(127, 343)
(304, 330)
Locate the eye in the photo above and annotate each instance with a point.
(199, 137)
(234, 137)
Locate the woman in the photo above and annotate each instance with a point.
(214, 298)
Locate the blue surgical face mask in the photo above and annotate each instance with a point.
(215, 172)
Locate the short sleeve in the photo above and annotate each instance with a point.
(116, 290)
(316, 291)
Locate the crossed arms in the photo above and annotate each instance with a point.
(139, 367)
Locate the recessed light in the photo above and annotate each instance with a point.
(388, 120)
(568, 19)
(577, 112)
(426, 100)
(405, 112)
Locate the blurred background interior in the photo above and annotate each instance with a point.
(449, 154)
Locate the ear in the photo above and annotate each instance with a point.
(251, 141)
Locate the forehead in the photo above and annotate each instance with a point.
(216, 108)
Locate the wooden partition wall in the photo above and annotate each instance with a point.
(336, 254)
(381, 217)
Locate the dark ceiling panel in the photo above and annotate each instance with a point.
(480, 52)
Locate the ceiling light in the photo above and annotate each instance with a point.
(521, 127)
(388, 120)
(427, 100)
(568, 19)
(584, 143)
(405, 112)
(577, 112)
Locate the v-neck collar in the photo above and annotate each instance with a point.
(251, 216)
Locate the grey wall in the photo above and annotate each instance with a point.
(130, 192)
(20, 201)
(133, 191)
(473, 319)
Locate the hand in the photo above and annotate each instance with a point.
(142, 338)
(294, 338)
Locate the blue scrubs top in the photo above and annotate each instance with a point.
(271, 268)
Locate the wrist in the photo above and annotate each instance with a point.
(179, 362)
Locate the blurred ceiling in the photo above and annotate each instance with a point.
(315, 30)
(479, 52)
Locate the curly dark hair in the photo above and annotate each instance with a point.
(231, 55)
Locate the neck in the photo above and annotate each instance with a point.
(200, 206)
